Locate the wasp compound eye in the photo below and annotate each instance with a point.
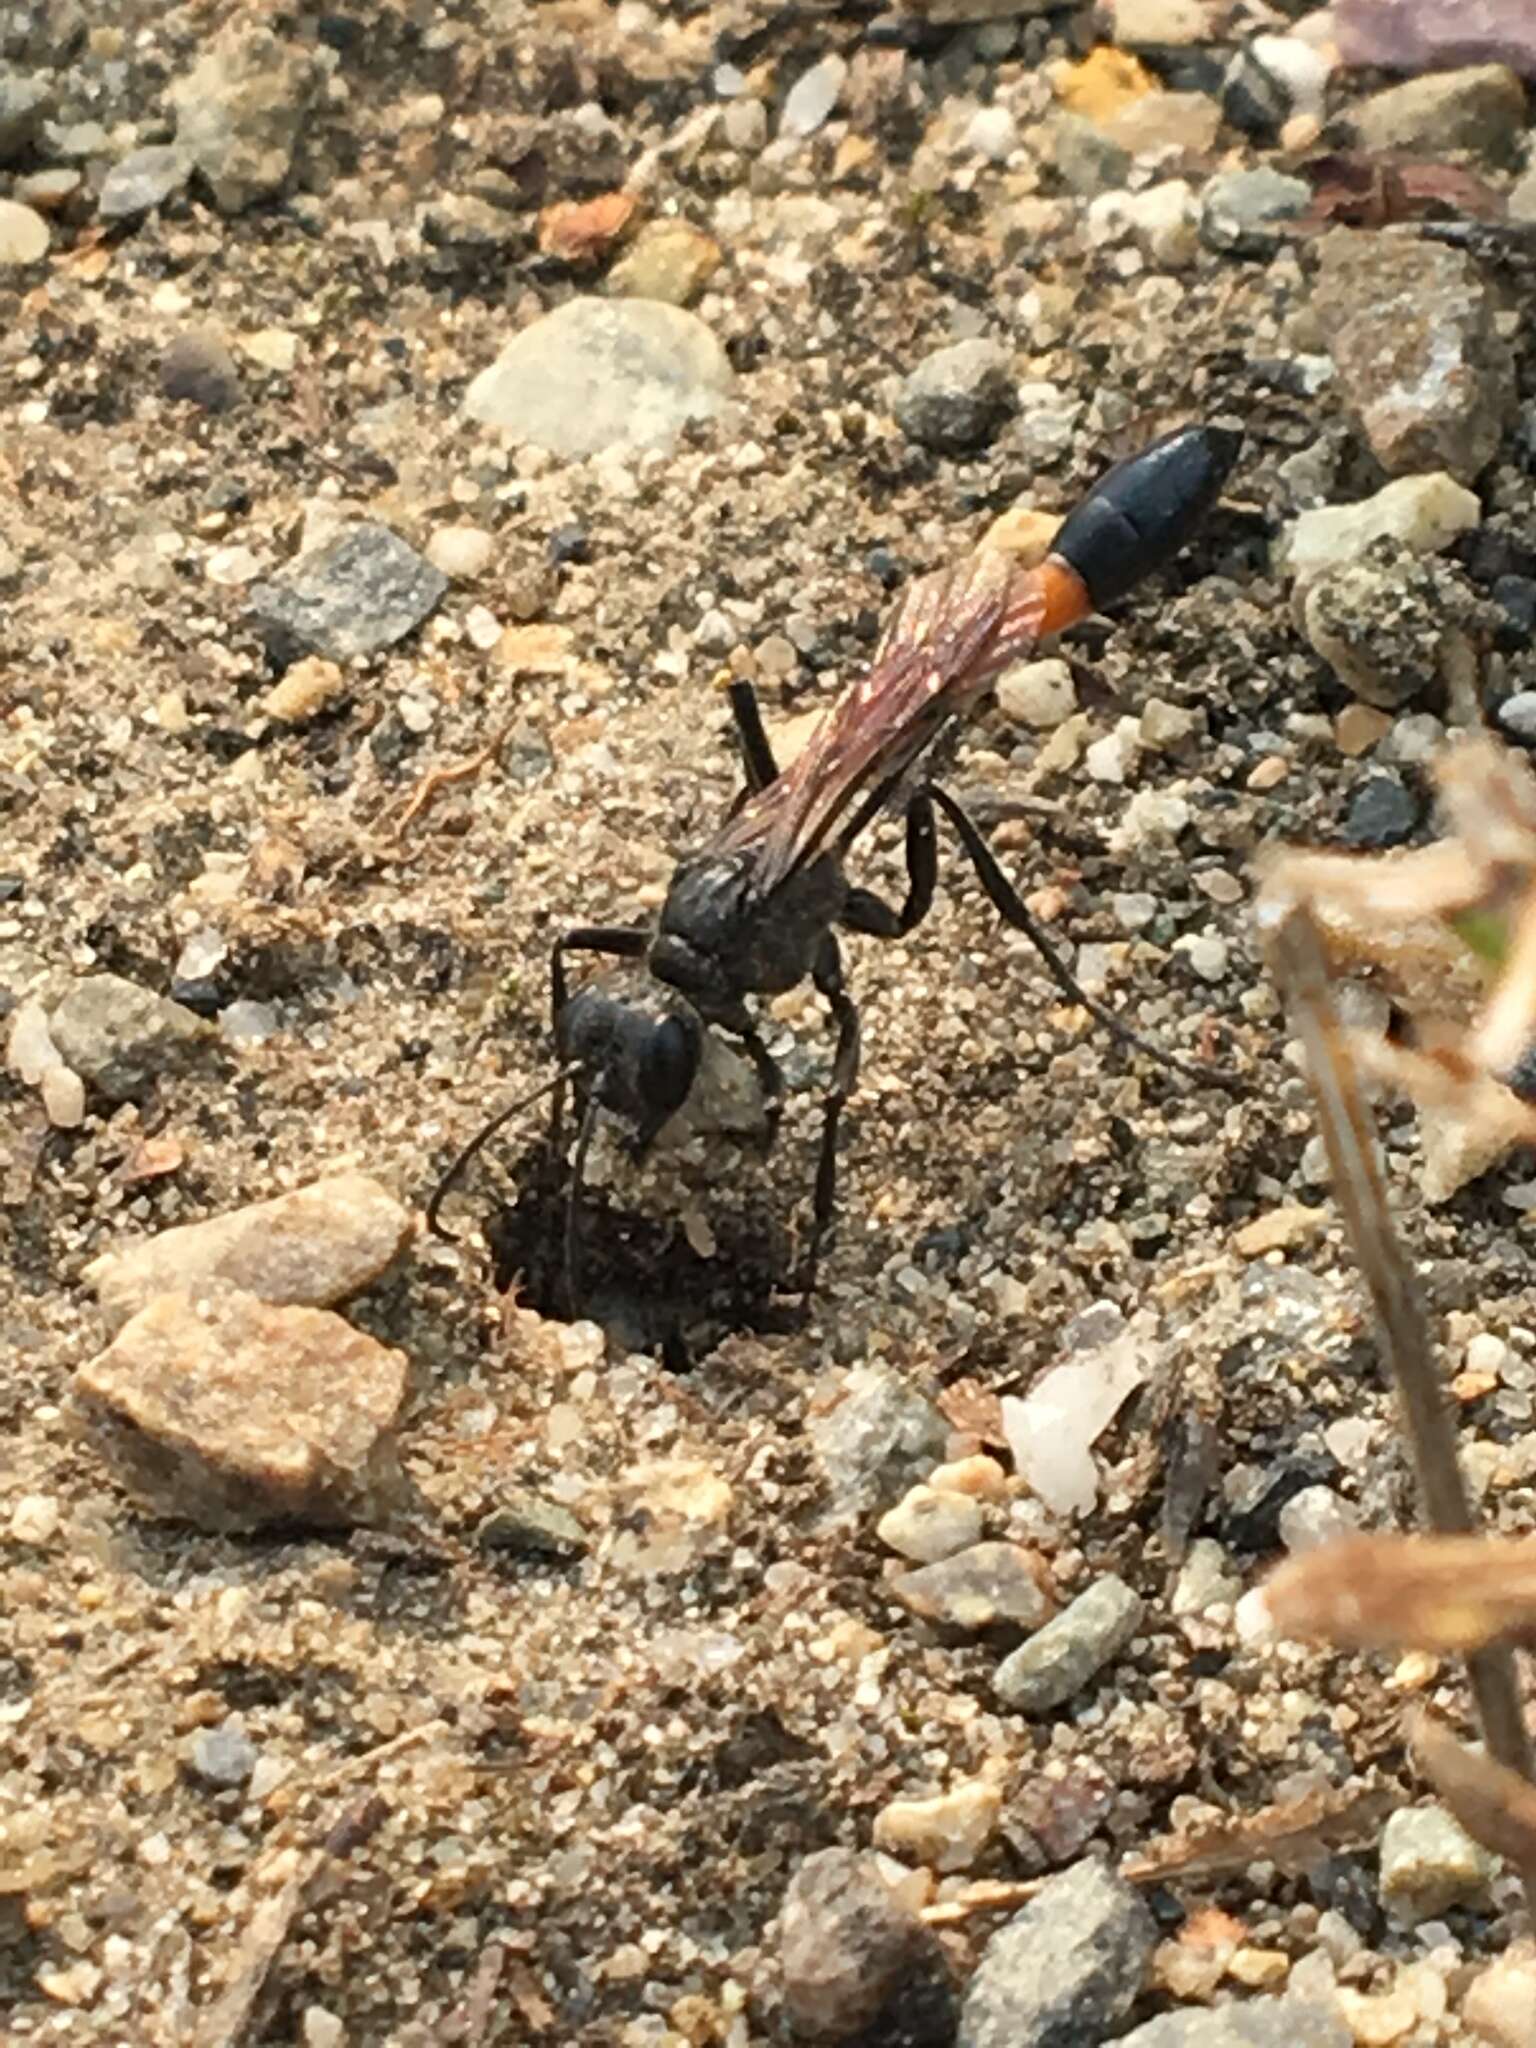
(671, 1061)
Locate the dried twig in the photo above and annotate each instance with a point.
(1293, 1835)
(1296, 952)
(437, 778)
(986, 1895)
(225, 2022)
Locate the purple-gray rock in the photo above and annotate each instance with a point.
(1062, 1972)
(222, 1757)
(858, 1968)
(1427, 35)
(364, 590)
(1410, 327)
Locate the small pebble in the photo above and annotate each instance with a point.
(981, 1477)
(927, 1524)
(142, 181)
(463, 553)
(122, 1038)
(1425, 513)
(34, 1519)
(979, 1588)
(1358, 728)
(812, 97)
(855, 1962)
(1209, 957)
(1039, 694)
(1066, 1969)
(1315, 1516)
(361, 592)
(956, 398)
(1062, 1657)
(196, 366)
(993, 133)
(304, 689)
(223, 1757)
(1500, 2004)
(947, 1832)
(1206, 1579)
(874, 1437)
(1429, 1863)
(24, 236)
(1382, 812)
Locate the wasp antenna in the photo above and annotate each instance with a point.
(482, 1138)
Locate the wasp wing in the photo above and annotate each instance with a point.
(951, 635)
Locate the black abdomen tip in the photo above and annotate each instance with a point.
(1141, 512)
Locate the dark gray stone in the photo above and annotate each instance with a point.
(120, 1037)
(24, 104)
(875, 1436)
(198, 367)
(957, 398)
(1065, 1970)
(143, 181)
(528, 1525)
(1382, 812)
(365, 590)
(858, 1968)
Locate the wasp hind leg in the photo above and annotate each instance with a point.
(827, 974)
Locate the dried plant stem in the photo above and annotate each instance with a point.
(1300, 965)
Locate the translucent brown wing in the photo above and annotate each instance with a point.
(948, 639)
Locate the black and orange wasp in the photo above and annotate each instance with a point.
(756, 910)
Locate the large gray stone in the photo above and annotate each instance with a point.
(1263, 2023)
(1063, 1971)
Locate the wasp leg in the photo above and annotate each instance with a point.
(827, 973)
(865, 912)
(756, 749)
(618, 942)
(572, 1236)
(1006, 901)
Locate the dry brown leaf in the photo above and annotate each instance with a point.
(1352, 189)
(152, 1159)
(584, 231)
(968, 1406)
